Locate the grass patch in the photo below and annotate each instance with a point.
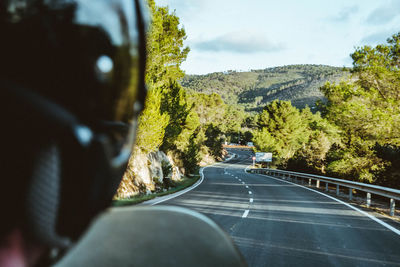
(180, 185)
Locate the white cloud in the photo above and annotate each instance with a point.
(345, 14)
(384, 13)
(239, 42)
(377, 37)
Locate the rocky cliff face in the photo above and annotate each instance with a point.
(147, 173)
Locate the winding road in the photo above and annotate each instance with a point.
(276, 223)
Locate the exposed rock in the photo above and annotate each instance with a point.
(155, 166)
(207, 160)
(145, 173)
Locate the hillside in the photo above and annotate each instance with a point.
(254, 89)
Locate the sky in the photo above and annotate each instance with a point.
(255, 34)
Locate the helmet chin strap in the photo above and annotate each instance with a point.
(43, 197)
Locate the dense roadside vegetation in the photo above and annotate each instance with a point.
(357, 134)
(348, 127)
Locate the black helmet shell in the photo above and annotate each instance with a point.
(84, 55)
(68, 69)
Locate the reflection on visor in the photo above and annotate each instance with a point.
(118, 64)
(126, 148)
(93, 64)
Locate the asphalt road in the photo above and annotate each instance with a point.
(274, 223)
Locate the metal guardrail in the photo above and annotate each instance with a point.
(392, 194)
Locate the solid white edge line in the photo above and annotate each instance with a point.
(183, 191)
(191, 187)
(245, 213)
(344, 203)
(245, 170)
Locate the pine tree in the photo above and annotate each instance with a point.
(367, 110)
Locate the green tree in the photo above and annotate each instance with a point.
(165, 52)
(390, 176)
(191, 156)
(265, 142)
(248, 136)
(214, 140)
(189, 129)
(165, 48)
(152, 123)
(174, 103)
(367, 110)
(312, 156)
(284, 122)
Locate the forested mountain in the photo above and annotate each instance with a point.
(254, 89)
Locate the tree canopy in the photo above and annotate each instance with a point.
(357, 134)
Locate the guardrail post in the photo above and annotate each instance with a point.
(368, 200)
(392, 206)
(390, 193)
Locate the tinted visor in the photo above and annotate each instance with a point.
(85, 56)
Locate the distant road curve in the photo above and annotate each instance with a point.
(275, 223)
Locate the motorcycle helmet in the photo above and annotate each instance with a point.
(72, 87)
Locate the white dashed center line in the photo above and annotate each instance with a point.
(246, 212)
